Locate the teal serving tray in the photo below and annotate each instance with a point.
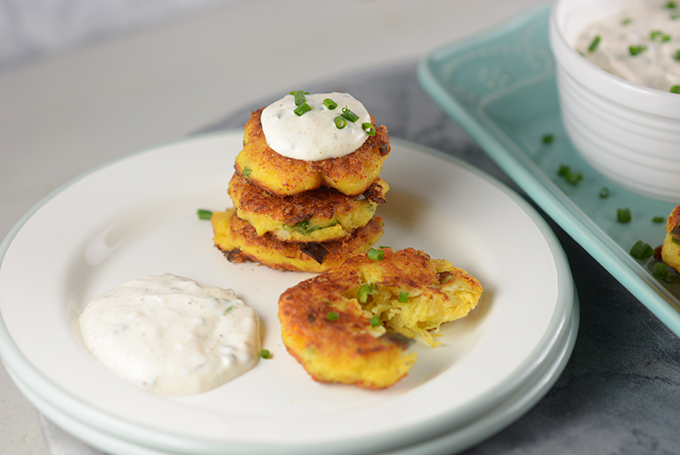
(500, 87)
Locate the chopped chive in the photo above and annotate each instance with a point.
(661, 36)
(594, 44)
(659, 270)
(670, 5)
(548, 138)
(627, 21)
(265, 354)
(623, 215)
(677, 55)
(675, 89)
(658, 219)
(403, 297)
(340, 122)
(368, 128)
(204, 214)
(302, 108)
(574, 178)
(604, 192)
(227, 310)
(642, 250)
(375, 321)
(349, 115)
(299, 97)
(571, 177)
(635, 50)
(330, 104)
(246, 171)
(376, 254)
(365, 290)
(332, 316)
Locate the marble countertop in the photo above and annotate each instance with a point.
(620, 392)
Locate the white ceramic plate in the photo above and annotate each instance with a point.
(137, 216)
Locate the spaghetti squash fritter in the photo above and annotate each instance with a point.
(670, 250)
(239, 242)
(313, 216)
(334, 323)
(350, 174)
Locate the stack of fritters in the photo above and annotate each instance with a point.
(301, 215)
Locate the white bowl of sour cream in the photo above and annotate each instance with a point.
(618, 78)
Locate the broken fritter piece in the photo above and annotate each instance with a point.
(335, 324)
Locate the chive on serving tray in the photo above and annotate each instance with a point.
(500, 87)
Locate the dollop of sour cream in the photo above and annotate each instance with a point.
(172, 336)
(313, 135)
(638, 41)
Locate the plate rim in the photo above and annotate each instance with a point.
(567, 299)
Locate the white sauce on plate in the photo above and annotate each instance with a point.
(313, 136)
(650, 24)
(172, 336)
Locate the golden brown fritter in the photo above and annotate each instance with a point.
(240, 243)
(351, 174)
(405, 290)
(670, 251)
(313, 216)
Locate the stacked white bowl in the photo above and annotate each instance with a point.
(627, 132)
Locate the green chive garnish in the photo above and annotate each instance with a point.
(204, 214)
(330, 104)
(635, 50)
(403, 297)
(623, 215)
(604, 192)
(265, 354)
(659, 270)
(677, 55)
(227, 310)
(661, 36)
(246, 171)
(548, 138)
(594, 44)
(658, 219)
(574, 178)
(675, 89)
(340, 122)
(670, 5)
(375, 321)
(299, 96)
(571, 177)
(302, 108)
(376, 254)
(627, 21)
(368, 128)
(349, 115)
(365, 290)
(642, 250)
(332, 316)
